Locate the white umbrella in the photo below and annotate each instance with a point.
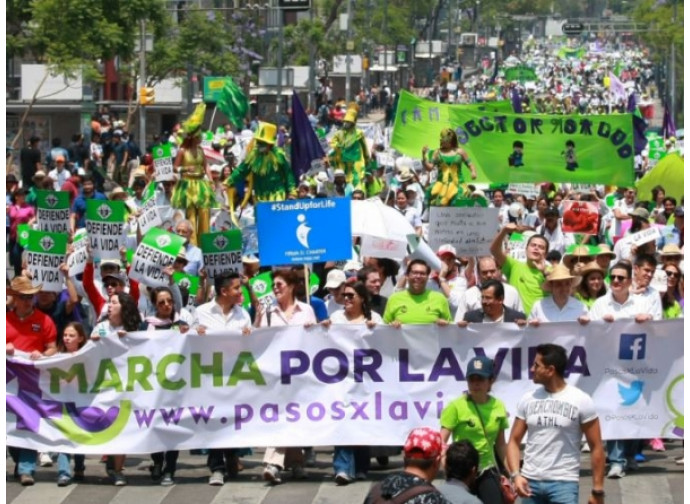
(383, 229)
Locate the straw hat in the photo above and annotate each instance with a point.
(118, 193)
(559, 272)
(591, 268)
(670, 250)
(577, 252)
(604, 249)
(23, 285)
(405, 174)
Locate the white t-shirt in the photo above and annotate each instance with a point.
(210, 315)
(626, 209)
(552, 452)
(635, 304)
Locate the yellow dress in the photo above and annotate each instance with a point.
(193, 190)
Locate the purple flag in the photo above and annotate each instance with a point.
(668, 128)
(305, 146)
(517, 103)
(639, 125)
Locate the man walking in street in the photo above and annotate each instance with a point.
(555, 415)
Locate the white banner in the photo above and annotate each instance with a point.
(76, 261)
(470, 230)
(347, 385)
(150, 216)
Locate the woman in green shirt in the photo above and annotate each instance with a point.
(592, 286)
(669, 304)
(481, 419)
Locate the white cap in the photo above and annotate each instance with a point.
(335, 279)
(339, 172)
(352, 265)
(447, 249)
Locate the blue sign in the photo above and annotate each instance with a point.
(304, 231)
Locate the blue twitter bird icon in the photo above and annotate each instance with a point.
(631, 394)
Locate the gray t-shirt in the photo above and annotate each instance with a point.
(552, 452)
(457, 492)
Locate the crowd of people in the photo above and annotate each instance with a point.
(552, 276)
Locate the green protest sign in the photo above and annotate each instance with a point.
(520, 73)
(537, 147)
(77, 259)
(23, 234)
(262, 285)
(163, 162)
(213, 88)
(602, 145)
(157, 250)
(46, 251)
(189, 282)
(222, 251)
(52, 211)
(105, 224)
(419, 122)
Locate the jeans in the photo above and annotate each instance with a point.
(63, 460)
(618, 450)
(219, 457)
(552, 492)
(351, 460)
(25, 459)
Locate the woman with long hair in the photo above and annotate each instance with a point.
(592, 285)
(352, 462)
(482, 419)
(122, 317)
(286, 311)
(448, 159)
(670, 304)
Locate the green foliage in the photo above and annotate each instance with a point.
(71, 35)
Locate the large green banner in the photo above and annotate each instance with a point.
(520, 73)
(506, 147)
(419, 122)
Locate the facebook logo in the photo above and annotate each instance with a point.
(632, 346)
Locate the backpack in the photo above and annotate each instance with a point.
(376, 497)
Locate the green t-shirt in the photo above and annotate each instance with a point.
(526, 280)
(672, 311)
(460, 417)
(425, 308)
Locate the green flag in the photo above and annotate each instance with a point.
(233, 103)
(157, 250)
(520, 73)
(163, 162)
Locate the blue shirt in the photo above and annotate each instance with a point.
(195, 259)
(79, 207)
(669, 235)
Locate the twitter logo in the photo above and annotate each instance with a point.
(631, 394)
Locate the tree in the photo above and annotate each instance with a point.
(73, 36)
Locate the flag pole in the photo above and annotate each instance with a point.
(306, 284)
(213, 116)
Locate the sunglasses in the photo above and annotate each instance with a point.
(618, 278)
(164, 302)
(672, 274)
(111, 284)
(349, 295)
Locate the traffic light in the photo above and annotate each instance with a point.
(147, 96)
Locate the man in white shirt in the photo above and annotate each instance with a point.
(59, 174)
(498, 201)
(223, 313)
(643, 272)
(472, 299)
(552, 230)
(620, 303)
(555, 416)
(195, 258)
(560, 306)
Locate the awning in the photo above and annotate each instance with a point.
(260, 91)
(381, 68)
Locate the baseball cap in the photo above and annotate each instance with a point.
(480, 366)
(335, 279)
(423, 443)
(110, 262)
(59, 158)
(117, 276)
(447, 249)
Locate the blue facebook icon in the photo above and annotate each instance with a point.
(632, 346)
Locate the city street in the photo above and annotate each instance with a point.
(659, 480)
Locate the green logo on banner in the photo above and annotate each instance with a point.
(47, 243)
